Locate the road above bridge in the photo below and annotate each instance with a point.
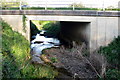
(62, 12)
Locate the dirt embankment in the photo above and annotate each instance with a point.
(75, 62)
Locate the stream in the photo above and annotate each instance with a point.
(41, 42)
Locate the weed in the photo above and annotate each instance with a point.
(53, 59)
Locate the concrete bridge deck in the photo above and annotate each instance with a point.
(62, 12)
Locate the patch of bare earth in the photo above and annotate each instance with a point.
(75, 62)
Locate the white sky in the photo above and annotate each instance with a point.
(62, 3)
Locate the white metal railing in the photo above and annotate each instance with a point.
(47, 4)
(18, 4)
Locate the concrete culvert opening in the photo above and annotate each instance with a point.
(78, 32)
(49, 29)
(66, 31)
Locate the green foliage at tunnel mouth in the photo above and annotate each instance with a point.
(52, 27)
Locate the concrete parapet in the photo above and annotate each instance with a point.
(62, 12)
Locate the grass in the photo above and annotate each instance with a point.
(16, 58)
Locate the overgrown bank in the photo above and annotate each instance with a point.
(16, 57)
(112, 53)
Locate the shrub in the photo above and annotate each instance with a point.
(112, 53)
(113, 73)
(52, 28)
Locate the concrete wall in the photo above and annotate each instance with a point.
(16, 22)
(107, 29)
(102, 29)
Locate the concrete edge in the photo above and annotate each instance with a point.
(62, 12)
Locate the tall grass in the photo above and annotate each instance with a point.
(16, 57)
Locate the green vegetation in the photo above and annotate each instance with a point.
(16, 54)
(34, 28)
(112, 53)
(16, 57)
(113, 73)
(52, 27)
(113, 9)
(53, 59)
(40, 24)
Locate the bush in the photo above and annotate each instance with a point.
(112, 53)
(52, 28)
(113, 73)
